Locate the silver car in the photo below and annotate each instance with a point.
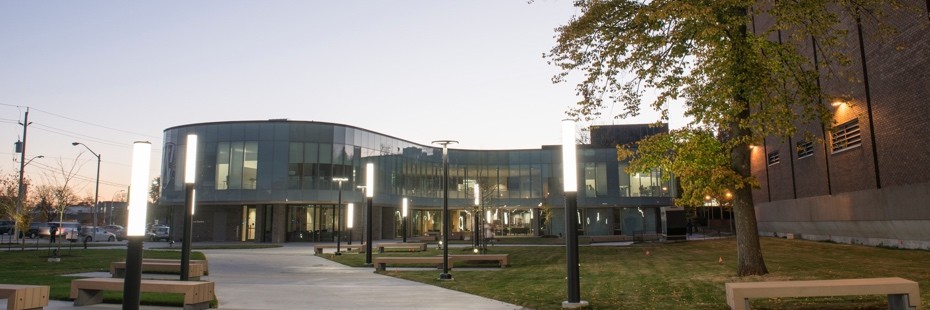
(91, 233)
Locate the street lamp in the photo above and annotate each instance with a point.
(190, 178)
(339, 214)
(135, 227)
(369, 195)
(445, 275)
(570, 176)
(97, 183)
(22, 192)
(403, 214)
(476, 215)
(350, 217)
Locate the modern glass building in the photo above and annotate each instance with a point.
(273, 181)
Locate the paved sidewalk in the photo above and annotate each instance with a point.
(291, 277)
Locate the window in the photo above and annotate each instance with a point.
(805, 149)
(846, 136)
(774, 158)
(236, 165)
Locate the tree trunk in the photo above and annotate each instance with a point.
(748, 248)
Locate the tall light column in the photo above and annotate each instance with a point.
(135, 226)
(96, 183)
(476, 215)
(190, 178)
(338, 216)
(369, 195)
(403, 214)
(445, 275)
(350, 218)
(570, 183)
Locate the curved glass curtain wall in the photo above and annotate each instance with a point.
(293, 163)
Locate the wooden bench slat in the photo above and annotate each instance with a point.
(738, 294)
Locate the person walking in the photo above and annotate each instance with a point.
(52, 231)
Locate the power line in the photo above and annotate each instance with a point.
(64, 132)
(97, 125)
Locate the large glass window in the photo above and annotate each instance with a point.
(649, 184)
(595, 179)
(236, 165)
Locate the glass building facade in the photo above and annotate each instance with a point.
(272, 181)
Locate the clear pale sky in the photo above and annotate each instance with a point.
(107, 73)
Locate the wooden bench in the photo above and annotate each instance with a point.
(411, 246)
(608, 238)
(421, 238)
(502, 259)
(118, 269)
(318, 248)
(206, 267)
(197, 294)
(902, 293)
(21, 297)
(382, 261)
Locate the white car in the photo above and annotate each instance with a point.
(91, 233)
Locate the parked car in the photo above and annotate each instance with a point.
(34, 229)
(90, 233)
(158, 233)
(117, 230)
(66, 230)
(6, 227)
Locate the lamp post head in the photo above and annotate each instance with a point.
(75, 143)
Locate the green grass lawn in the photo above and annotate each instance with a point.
(683, 275)
(31, 267)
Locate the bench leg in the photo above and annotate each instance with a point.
(88, 297)
(380, 266)
(898, 302)
(197, 306)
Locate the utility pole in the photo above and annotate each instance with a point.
(22, 166)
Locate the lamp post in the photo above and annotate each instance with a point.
(350, 217)
(403, 214)
(339, 215)
(135, 226)
(190, 178)
(97, 183)
(369, 195)
(570, 183)
(445, 275)
(476, 215)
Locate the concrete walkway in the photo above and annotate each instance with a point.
(291, 277)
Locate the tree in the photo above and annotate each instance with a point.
(738, 83)
(155, 191)
(57, 190)
(9, 199)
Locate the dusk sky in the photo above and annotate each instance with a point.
(107, 73)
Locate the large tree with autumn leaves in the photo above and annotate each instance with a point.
(738, 83)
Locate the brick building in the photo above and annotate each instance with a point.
(868, 182)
